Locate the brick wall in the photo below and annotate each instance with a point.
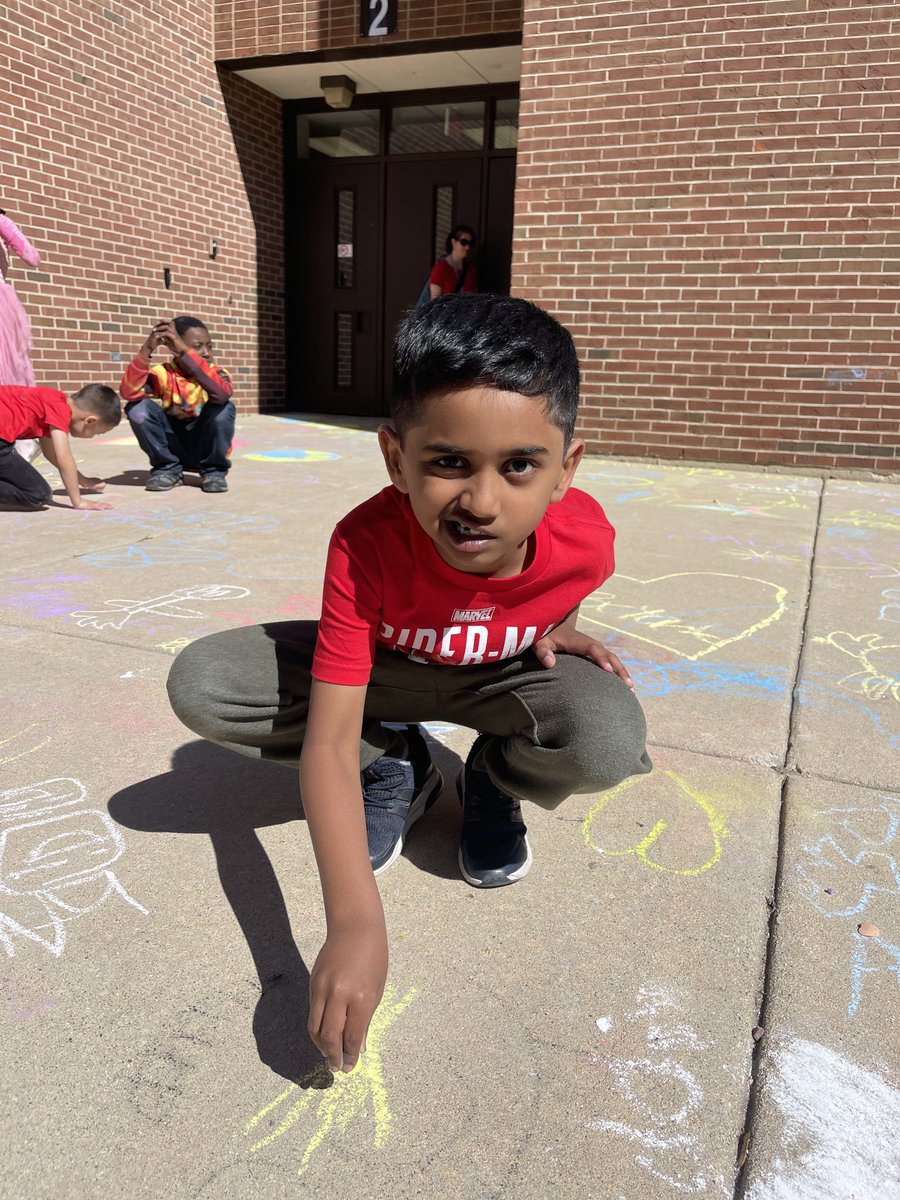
(119, 160)
(706, 197)
(247, 28)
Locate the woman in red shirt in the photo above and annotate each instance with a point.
(455, 273)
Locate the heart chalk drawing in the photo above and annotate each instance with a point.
(670, 826)
(689, 613)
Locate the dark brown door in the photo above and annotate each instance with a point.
(419, 198)
(334, 323)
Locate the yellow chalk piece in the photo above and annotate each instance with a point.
(641, 851)
(360, 1092)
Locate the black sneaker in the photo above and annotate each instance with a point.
(213, 481)
(493, 848)
(396, 792)
(163, 481)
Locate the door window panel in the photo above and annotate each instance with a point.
(338, 134)
(343, 350)
(506, 125)
(444, 203)
(437, 128)
(345, 206)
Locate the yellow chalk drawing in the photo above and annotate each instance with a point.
(8, 758)
(362, 1092)
(175, 646)
(715, 827)
(863, 518)
(680, 633)
(879, 663)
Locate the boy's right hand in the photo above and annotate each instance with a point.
(94, 504)
(345, 988)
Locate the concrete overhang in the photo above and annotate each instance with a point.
(393, 73)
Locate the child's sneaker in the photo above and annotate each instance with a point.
(493, 847)
(396, 792)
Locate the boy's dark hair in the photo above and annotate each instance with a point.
(183, 324)
(102, 401)
(465, 340)
(456, 231)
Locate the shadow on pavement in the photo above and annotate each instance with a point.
(214, 792)
(139, 479)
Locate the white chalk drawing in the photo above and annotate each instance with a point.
(118, 612)
(890, 610)
(55, 860)
(840, 1127)
(656, 1102)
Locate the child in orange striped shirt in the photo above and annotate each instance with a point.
(181, 411)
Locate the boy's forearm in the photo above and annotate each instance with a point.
(332, 803)
(133, 385)
(68, 472)
(214, 382)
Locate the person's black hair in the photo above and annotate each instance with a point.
(102, 401)
(183, 324)
(456, 231)
(465, 340)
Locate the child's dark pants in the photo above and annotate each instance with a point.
(173, 445)
(570, 728)
(20, 484)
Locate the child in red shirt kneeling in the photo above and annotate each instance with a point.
(452, 595)
(54, 417)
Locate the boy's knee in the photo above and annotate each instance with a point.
(201, 682)
(37, 493)
(602, 726)
(139, 412)
(222, 414)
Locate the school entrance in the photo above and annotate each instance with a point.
(371, 194)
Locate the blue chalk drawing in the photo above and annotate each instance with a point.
(866, 948)
(658, 679)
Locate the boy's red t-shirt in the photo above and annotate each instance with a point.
(386, 584)
(31, 412)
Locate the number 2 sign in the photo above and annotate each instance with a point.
(377, 17)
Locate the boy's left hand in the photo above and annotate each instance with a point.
(567, 640)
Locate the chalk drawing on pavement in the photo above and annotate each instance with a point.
(292, 456)
(55, 860)
(851, 871)
(666, 611)
(826, 1102)
(656, 1101)
(667, 804)
(118, 612)
(15, 752)
(878, 673)
(360, 1094)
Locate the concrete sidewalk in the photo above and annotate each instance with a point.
(585, 1033)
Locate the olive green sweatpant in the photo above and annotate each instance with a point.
(571, 728)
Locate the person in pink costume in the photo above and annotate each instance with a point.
(15, 328)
